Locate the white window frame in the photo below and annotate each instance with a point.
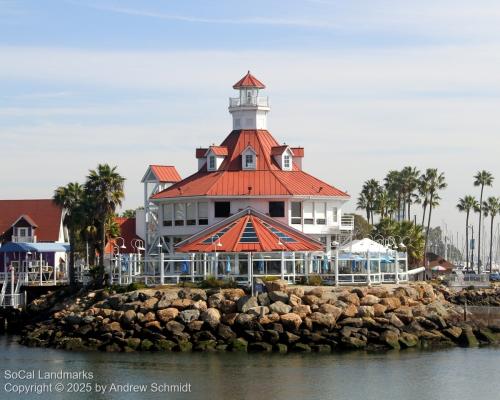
(249, 151)
(212, 158)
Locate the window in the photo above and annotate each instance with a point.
(22, 232)
(296, 213)
(335, 214)
(276, 208)
(286, 161)
(249, 161)
(167, 215)
(191, 214)
(211, 163)
(222, 209)
(307, 209)
(203, 213)
(320, 213)
(179, 213)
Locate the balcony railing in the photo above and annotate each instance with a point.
(249, 101)
(347, 222)
(24, 239)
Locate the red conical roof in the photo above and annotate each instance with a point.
(249, 81)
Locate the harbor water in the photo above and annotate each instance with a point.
(445, 374)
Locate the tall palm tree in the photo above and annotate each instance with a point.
(368, 197)
(467, 204)
(105, 186)
(392, 183)
(492, 208)
(436, 182)
(423, 191)
(362, 204)
(70, 198)
(409, 182)
(482, 178)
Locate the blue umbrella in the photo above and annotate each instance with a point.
(228, 265)
(325, 263)
(184, 267)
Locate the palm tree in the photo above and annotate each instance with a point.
(467, 204)
(423, 191)
(362, 204)
(409, 182)
(435, 182)
(482, 179)
(392, 183)
(105, 187)
(383, 203)
(492, 208)
(70, 198)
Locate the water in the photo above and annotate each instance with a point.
(446, 374)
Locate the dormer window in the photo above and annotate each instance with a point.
(286, 161)
(249, 159)
(211, 163)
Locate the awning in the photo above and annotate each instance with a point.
(249, 231)
(12, 247)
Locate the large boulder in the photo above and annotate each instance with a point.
(350, 311)
(391, 303)
(369, 300)
(276, 285)
(279, 296)
(187, 316)
(280, 308)
(302, 310)
(390, 338)
(351, 298)
(215, 300)
(167, 314)
(174, 327)
(211, 317)
(366, 311)
(247, 302)
(330, 309)
(233, 294)
(323, 320)
(291, 321)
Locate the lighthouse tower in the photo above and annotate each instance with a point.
(249, 110)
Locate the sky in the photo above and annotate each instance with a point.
(364, 85)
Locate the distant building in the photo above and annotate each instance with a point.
(32, 235)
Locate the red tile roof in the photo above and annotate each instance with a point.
(166, 173)
(297, 151)
(127, 232)
(249, 231)
(45, 212)
(266, 180)
(249, 81)
(218, 150)
(278, 150)
(28, 219)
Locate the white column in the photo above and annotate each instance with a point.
(307, 257)
(192, 267)
(397, 268)
(250, 270)
(282, 265)
(368, 266)
(336, 267)
(294, 266)
(379, 270)
(162, 269)
(120, 268)
(204, 265)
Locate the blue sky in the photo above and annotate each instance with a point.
(365, 86)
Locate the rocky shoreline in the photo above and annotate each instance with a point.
(285, 319)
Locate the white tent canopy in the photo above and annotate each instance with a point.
(364, 245)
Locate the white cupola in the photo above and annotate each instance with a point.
(249, 110)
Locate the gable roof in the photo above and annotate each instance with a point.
(162, 173)
(279, 150)
(266, 180)
(219, 151)
(28, 219)
(249, 231)
(45, 212)
(249, 81)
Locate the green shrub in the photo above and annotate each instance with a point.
(270, 278)
(212, 282)
(315, 280)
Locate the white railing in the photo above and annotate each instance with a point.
(347, 222)
(249, 101)
(24, 239)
